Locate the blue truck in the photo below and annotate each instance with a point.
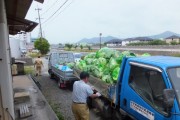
(147, 89)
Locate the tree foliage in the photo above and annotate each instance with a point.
(81, 46)
(89, 47)
(154, 42)
(69, 46)
(174, 43)
(42, 45)
(75, 46)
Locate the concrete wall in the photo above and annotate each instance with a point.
(152, 49)
(153, 46)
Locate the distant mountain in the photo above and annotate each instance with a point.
(96, 39)
(163, 35)
(108, 38)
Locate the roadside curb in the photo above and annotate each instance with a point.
(38, 87)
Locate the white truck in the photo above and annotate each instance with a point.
(57, 68)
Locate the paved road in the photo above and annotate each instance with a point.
(62, 98)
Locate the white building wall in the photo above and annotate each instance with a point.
(124, 43)
(15, 47)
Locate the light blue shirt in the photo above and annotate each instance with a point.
(81, 91)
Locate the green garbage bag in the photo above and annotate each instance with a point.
(90, 55)
(106, 71)
(146, 54)
(113, 63)
(81, 64)
(115, 73)
(89, 61)
(87, 68)
(71, 65)
(102, 61)
(97, 73)
(104, 53)
(127, 53)
(116, 54)
(107, 79)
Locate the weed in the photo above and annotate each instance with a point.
(56, 109)
(29, 70)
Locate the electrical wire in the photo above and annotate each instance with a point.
(60, 12)
(50, 7)
(55, 12)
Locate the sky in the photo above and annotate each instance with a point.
(79, 19)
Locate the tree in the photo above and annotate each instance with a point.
(81, 46)
(42, 45)
(69, 46)
(75, 46)
(174, 43)
(60, 45)
(89, 47)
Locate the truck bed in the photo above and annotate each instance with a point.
(64, 75)
(107, 90)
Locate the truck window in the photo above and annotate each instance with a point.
(65, 58)
(174, 74)
(149, 84)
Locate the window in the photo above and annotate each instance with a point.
(174, 74)
(149, 85)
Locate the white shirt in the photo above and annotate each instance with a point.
(81, 91)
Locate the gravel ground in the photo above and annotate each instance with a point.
(57, 96)
(62, 98)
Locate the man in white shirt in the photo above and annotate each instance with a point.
(81, 91)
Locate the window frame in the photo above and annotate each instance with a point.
(150, 67)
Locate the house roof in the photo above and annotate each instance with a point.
(173, 37)
(128, 39)
(143, 38)
(16, 11)
(114, 41)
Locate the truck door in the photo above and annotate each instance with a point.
(142, 92)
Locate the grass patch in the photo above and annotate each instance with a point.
(79, 50)
(56, 109)
(176, 55)
(29, 70)
(33, 55)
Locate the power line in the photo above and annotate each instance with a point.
(50, 7)
(56, 11)
(61, 11)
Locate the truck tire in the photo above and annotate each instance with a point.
(61, 84)
(107, 112)
(51, 74)
(116, 115)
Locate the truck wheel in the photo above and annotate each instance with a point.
(107, 111)
(117, 115)
(51, 75)
(61, 84)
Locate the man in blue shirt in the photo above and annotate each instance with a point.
(81, 91)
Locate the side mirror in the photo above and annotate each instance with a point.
(168, 95)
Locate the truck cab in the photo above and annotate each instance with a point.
(148, 88)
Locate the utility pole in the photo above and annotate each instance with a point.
(39, 17)
(100, 34)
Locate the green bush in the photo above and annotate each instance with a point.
(42, 45)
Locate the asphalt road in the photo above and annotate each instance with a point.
(58, 97)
